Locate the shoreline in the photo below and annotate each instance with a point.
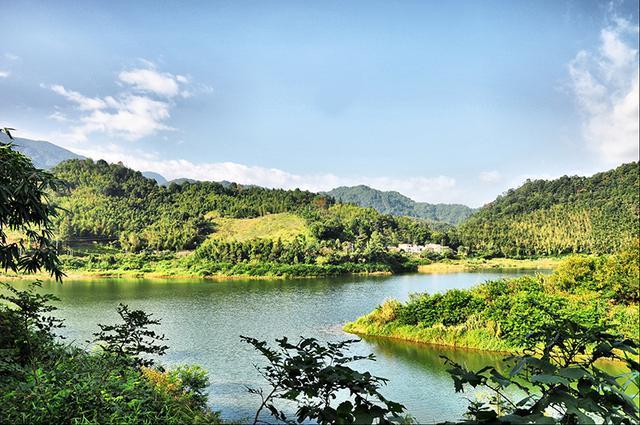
(393, 337)
(477, 264)
(431, 343)
(125, 275)
(439, 267)
(435, 336)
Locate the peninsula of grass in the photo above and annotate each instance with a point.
(498, 315)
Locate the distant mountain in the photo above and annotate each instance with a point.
(43, 154)
(397, 204)
(180, 181)
(159, 178)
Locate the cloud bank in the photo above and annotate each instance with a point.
(430, 189)
(605, 85)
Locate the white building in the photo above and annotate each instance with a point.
(417, 249)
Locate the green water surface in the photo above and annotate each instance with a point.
(204, 319)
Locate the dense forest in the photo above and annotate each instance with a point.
(110, 203)
(597, 214)
(397, 204)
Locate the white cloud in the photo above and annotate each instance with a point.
(140, 110)
(11, 56)
(84, 103)
(58, 116)
(4, 74)
(130, 117)
(490, 176)
(605, 84)
(151, 81)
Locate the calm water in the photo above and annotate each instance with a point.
(203, 319)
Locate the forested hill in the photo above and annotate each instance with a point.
(596, 214)
(111, 202)
(397, 204)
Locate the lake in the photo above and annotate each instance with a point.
(203, 319)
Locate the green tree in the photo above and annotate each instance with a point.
(26, 211)
(312, 374)
(131, 339)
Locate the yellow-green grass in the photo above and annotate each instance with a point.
(474, 264)
(473, 334)
(284, 226)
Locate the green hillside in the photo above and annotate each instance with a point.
(231, 228)
(397, 204)
(283, 226)
(597, 214)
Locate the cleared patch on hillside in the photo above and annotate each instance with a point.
(284, 226)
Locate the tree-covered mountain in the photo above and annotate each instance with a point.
(112, 203)
(597, 214)
(397, 204)
(43, 154)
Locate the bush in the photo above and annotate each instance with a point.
(451, 308)
(43, 381)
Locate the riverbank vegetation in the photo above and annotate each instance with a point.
(498, 315)
(42, 379)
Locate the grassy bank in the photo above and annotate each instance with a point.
(452, 336)
(499, 315)
(478, 264)
(90, 262)
(183, 265)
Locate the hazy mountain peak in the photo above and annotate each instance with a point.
(43, 154)
(395, 203)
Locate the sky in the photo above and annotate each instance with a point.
(450, 102)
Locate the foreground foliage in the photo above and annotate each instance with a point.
(559, 379)
(45, 381)
(313, 375)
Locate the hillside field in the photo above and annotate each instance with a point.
(283, 226)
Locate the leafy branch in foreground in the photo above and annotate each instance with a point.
(132, 338)
(25, 209)
(311, 375)
(559, 374)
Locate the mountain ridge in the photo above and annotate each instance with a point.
(395, 203)
(43, 154)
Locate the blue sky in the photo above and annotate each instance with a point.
(442, 101)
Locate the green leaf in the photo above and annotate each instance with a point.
(550, 379)
(573, 372)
